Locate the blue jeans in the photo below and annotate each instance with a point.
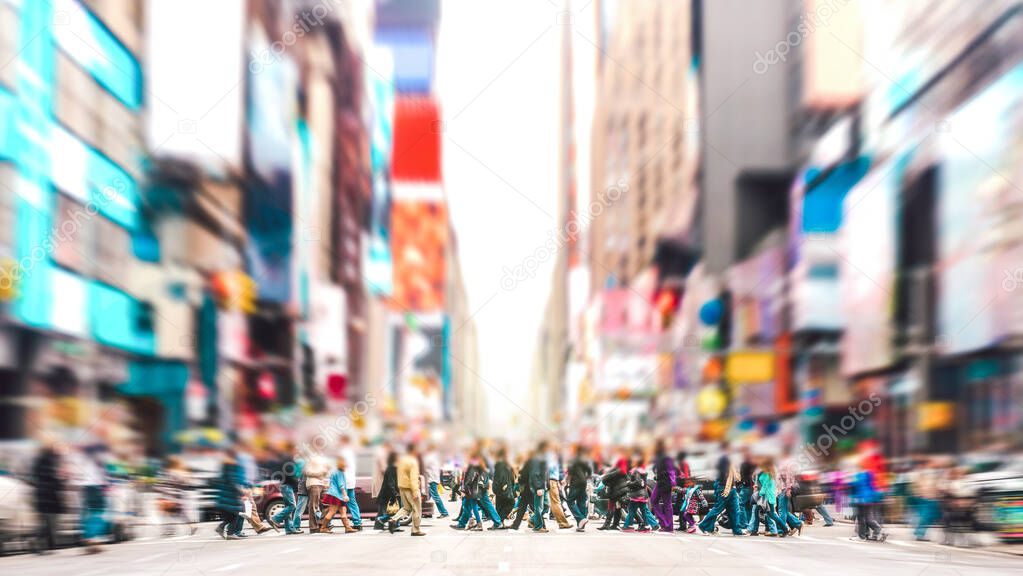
(538, 514)
(296, 519)
(785, 512)
(753, 526)
(284, 516)
(642, 513)
(471, 507)
(745, 504)
(576, 500)
(488, 506)
(731, 502)
(828, 520)
(353, 508)
(927, 512)
(435, 494)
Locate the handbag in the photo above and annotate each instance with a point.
(392, 508)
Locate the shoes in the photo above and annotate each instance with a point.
(419, 533)
(691, 531)
(541, 530)
(583, 523)
(351, 530)
(264, 529)
(442, 516)
(477, 528)
(289, 532)
(392, 526)
(457, 527)
(496, 527)
(644, 530)
(829, 525)
(273, 524)
(220, 532)
(628, 529)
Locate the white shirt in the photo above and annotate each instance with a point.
(348, 453)
(431, 467)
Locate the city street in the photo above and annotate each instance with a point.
(449, 552)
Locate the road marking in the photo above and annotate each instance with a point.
(228, 568)
(783, 571)
(716, 551)
(900, 543)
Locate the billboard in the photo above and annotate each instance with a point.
(419, 238)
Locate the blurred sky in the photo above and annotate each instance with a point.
(498, 70)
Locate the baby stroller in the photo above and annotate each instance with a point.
(959, 518)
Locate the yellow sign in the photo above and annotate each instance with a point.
(935, 416)
(749, 367)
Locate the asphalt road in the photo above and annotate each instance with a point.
(562, 552)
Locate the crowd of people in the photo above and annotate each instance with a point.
(641, 489)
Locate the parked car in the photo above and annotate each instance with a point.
(998, 487)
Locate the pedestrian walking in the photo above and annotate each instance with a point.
(504, 485)
(317, 472)
(553, 462)
(229, 497)
(409, 492)
(347, 451)
(692, 501)
(387, 496)
(473, 485)
(336, 498)
(579, 472)
(49, 499)
(289, 472)
(665, 474)
(726, 497)
(431, 469)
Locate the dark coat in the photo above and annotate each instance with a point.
(229, 488)
(504, 480)
(46, 480)
(389, 487)
(537, 474)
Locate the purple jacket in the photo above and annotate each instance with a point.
(665, 472)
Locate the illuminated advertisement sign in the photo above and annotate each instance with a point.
(419, 238)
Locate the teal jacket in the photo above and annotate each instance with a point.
(337, 487)
(767, 493)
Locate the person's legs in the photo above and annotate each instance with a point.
(661, 505)
(709, 522)
(559, 514)
(771, 515)
(437, 500)
(331, 511)
(732, 501)
(315, 510)
(296, 517)
(649, 518)
(743, 496)
(823, 511)
(416, 506)
(632, 510)
(872, 519)
(753, 526)
(924, 517)
(785, 513)
(573, 504)
(538, 521)
(284, 516)
(487, 506)
(353, 508)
